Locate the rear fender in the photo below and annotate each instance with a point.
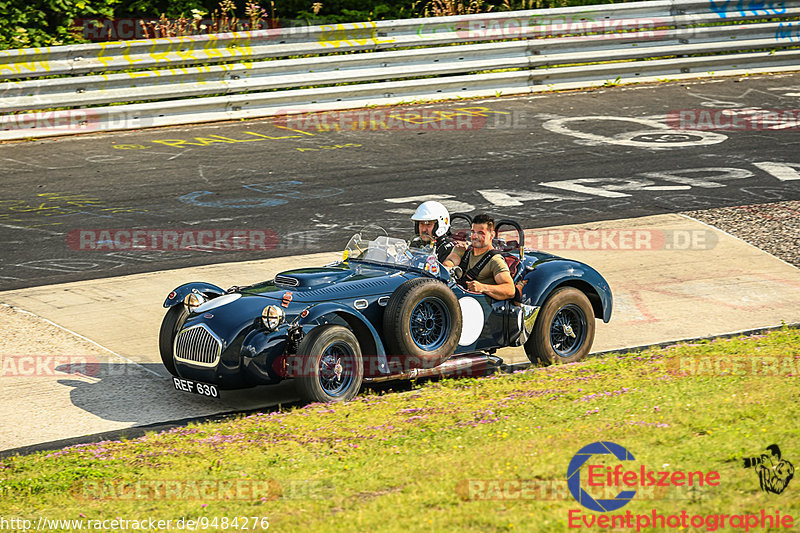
(372, 349)
(178, 294)
(540, 282)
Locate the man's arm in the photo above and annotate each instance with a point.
(451, 260)
(503, 290)
(454, 258)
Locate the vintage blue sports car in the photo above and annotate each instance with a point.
(385, 311)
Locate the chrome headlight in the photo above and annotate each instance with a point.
(272, 316)
(194, 300)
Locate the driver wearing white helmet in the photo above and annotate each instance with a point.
(432, 227)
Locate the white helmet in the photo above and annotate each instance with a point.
(431, 210)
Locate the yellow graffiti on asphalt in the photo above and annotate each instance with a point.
(130, 147)
(214, 139)
(380, 119)
(48, 206)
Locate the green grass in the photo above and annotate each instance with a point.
(404, 461)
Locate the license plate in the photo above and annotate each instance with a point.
(195, 387)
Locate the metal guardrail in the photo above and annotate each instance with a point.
(184, 80)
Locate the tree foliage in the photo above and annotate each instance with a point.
(47, 22)
(30, 23)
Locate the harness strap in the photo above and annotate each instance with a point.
(472, 273)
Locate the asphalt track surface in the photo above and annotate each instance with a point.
(544, 160)
(548, 161)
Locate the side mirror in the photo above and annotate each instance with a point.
(457, 272)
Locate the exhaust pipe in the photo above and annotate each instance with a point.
(462, 366)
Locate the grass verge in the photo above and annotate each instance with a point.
(468, 455)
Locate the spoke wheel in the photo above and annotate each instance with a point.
(568, 330)
(331, 372)
(422, 323)
(331, 363)
(429, 324)
(564, 329)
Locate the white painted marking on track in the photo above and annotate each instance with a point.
(669, 138)
(30, 164)
(782, 171)
(667, 188)
(515, 198)
(574, 186)
(454, 206)
(194, 223)
(11, 226)
(66, 264)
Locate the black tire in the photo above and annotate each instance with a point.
(331, 363)
(173, 320)
(564, 329)
(435, 310)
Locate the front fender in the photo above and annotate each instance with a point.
(179, 293)
(259, 354)
(372, 348)
(540, 282)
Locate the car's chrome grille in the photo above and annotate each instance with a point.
(285, 280)
(197, 345)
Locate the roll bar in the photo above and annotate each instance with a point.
(514, 224)
(462, 216)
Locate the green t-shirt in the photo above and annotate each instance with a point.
(495, 266)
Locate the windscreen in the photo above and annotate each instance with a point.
(390, 251)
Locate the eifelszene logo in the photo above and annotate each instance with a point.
(574, 476)
(617, 477)
(774, 473)
(602, 475)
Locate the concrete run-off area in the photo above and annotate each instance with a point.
(90, 348)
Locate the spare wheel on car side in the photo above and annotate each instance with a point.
(422, 320)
